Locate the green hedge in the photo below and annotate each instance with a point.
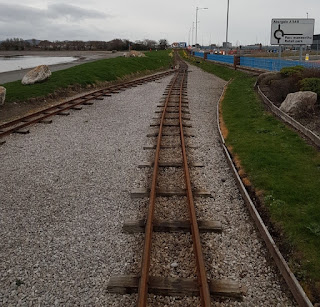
(290, 71)
(311, 84)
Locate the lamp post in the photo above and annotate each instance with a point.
(197, 9)
(192, 34)
(227, 22)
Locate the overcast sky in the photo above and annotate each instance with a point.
(249, 23)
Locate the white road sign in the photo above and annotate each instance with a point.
(292, 31)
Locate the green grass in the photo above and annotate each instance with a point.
(89, 73)
(219, 70)
(279, 163)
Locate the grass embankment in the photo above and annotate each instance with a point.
(282, 168)
(88, 74)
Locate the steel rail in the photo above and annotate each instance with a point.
(36, 117)
(202, 275)
(145, 265)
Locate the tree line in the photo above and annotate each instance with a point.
(115, 44)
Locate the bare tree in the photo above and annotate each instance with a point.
(151, 44)
(163, 44)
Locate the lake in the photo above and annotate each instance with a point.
(22, 62)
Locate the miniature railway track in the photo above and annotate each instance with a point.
(174, 115)
(179, 82)
(19, 125)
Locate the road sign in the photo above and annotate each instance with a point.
(292, 31)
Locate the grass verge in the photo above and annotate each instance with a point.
(281, 167)
(88, 74)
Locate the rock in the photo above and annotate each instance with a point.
(2, 95)
(38, 74)
(174, 265)
(133, 54)
(299, 103)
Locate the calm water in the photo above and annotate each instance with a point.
(21, 62)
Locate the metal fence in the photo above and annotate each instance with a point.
(260, 63)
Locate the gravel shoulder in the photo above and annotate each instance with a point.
(65, 193)
(237, 253)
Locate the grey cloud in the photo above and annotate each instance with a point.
(18, 13)
(57, 21)
(73, 12)
(21, 13)
(52, 31)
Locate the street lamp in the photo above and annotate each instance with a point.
(192, 34)
(227, 22)
(197, 9)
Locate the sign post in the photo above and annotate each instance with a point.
(280, 50)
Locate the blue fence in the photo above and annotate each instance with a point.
(221, 58)
(274, 64)
(199, 54)
(260, 63)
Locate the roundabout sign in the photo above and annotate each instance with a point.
(292, 31)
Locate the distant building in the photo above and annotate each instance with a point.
(226, 45)
(179, 45)
(316, 42)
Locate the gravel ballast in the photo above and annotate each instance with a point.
(65, 193)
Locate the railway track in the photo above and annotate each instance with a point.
(172, 136)
(171, 195)
(22, 124)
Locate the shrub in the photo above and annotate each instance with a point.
(268, 79)
(290, 71)
(311, 84)
(311, 73)
(281, 88)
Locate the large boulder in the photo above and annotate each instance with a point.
(299, 104)
(2, 95)
(38, 74)
(135, 54)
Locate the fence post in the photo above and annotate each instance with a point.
(236, 61)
